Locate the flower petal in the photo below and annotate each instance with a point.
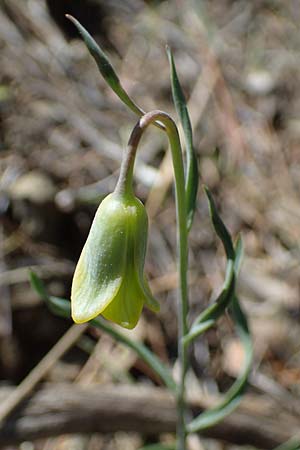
(101, 266)
(127, 306)
(140, 244)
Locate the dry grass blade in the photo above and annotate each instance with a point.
(40, 370)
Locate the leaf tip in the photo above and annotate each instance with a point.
(76, 23)
(206, 190)
(71, 18)
(170, 55)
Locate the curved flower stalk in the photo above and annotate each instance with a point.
(109, 277)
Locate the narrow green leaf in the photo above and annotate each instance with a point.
(106, 69)
(103, 63)
(197, 329)
(214, 311)
(219, 226)
(62, 308)
(239, 253)
(38, 285)
(58, 306)
(192, 171)
(235, 393)
(291, 444)
(141, 350)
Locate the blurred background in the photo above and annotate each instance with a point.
(62, 132)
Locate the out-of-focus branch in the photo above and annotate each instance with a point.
(61, 409)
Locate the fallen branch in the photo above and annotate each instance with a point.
(62, 409)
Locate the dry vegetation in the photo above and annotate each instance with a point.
(61, 136)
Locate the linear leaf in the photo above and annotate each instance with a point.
(209, 316)
(216, 309)
(141, 350)
(38, 285)
(62, 308)
(239, 253)
(106, 69)
(291, 444)
(192, 171)
(197, 329)
(234, 395)
(219, 226)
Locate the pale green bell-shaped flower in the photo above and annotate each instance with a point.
(109, 277)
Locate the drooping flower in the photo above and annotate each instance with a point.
(109, 277)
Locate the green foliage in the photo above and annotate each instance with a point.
(208, 318)
(105, 67)
(62, 308)
(219, 226)
(291, 444)
(233, 397)
(192, 172)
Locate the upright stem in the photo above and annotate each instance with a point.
(124, 185)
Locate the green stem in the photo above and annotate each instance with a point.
(124, 185)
